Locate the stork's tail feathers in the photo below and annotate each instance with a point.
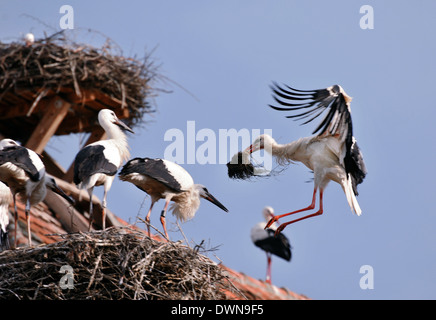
(351, 197)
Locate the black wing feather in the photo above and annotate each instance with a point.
(153, 168)
(337, 120)
(19, 156)
(91, 160)
(278, 245)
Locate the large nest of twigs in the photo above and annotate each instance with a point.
(57, 65)
(110, 264)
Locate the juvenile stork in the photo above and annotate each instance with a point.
(163, 179)
(266, 240)
(97, 163)
(23, 171)
(332, 154)
(5, 199)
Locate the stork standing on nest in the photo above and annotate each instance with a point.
(332, 154)
(5, 198)
(266, 240)
(97, 163)
(163, 179)
(23, 171)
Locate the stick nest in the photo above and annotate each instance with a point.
(111, 264)
(240, 167)
(56, 63)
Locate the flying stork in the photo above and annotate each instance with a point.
(5, 199)
(332, 154)
(23, 172)
(266, 240)
(163, 179)
(97, 163)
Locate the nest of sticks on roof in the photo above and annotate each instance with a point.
(111, 264)
(55, 64)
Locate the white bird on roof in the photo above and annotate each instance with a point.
(23, 172)
(97, 163)
(163, 179)
(266, 240)
(29, 39)
(332, 155)
(5, 199)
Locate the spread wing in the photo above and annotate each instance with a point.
(335, 104)
(333, 101)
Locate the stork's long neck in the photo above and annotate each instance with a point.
(115, 134)
(285, 153)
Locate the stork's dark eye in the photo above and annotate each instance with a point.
(205, 189)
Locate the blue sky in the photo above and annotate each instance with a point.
(221, 58)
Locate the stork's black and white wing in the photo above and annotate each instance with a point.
(157, 169)
(23, 158)
(313, 103)
(335, 103)
(91, 160)
(278, 245)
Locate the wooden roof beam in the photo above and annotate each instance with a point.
(55, 112)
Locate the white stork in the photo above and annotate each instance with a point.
(97, 163)
(266, 240)
(5, 199)
(332, 154)
(23, 172)
(163, 179)
(29, 39)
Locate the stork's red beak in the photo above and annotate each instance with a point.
(250, 149)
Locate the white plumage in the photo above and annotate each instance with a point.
(97, 163)
(5, 199)
(163, 179)
(332, 154)
(23, 171)
(265, 239)
(29, 39)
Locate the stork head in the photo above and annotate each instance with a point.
(7, 143)
(264, 141)
(29, 38)
(268, 213)
(51, 183)
(204, 193)
(107, 117)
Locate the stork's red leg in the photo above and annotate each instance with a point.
(319, 212)
(147, 218)
(162, 218)
(90, 190)
(15, 220)
(275, 218)
(29, 232)
(268, 268)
